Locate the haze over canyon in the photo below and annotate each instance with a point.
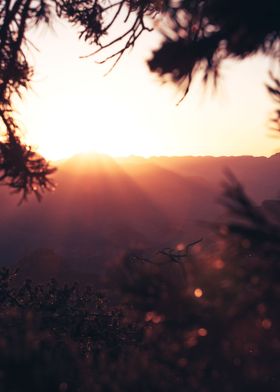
(104, 207)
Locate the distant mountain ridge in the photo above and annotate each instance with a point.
(104, 206)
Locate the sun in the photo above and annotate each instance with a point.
(103, 138)
(73, 128)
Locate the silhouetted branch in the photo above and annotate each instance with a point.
(274, 90)
(21, 168)
(171, 256)
(248, 221)
(92, 19)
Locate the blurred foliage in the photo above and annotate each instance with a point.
(212, 312)
(55, 338)
(200, 35)
(201, 317)
(274, 90)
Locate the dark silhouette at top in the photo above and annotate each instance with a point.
(202, 34)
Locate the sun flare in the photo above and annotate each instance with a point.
(74, 129)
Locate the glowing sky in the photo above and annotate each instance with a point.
(73, 108)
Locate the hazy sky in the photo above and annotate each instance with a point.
(74, 108)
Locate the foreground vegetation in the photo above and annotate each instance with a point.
(194, 318)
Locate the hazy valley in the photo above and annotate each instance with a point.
(104, 207)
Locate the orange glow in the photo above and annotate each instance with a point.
(154, 317)
(198, 293)
(62, 135)
(202, 332)
(191, 341)
(218, 264)
(266, 324)
(180, 246)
